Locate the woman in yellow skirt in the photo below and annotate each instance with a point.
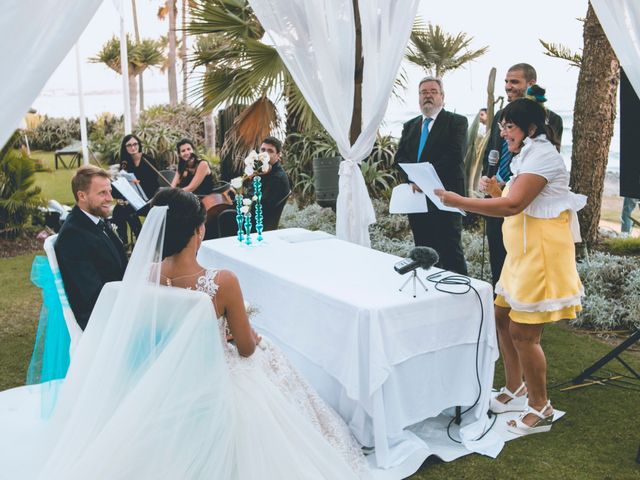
(539, 283)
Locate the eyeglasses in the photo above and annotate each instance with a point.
(506, 126)
(131, 145)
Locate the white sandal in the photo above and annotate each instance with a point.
(516, 403)
(542, 425)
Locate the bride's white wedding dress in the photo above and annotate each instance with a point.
(269, 362)
(154, 392)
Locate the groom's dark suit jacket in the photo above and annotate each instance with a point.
(445, 149)
(88, 258)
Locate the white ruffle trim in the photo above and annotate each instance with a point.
(543, 207)
(548, 305)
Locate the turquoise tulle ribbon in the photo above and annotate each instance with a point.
(50, 358)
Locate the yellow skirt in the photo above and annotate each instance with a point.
(539, 279)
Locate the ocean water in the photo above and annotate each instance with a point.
(65, 104)
(394, 119)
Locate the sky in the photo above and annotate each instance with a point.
(510, 29)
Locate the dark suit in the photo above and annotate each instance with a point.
(445, 149)
(88, 258)
(275, 186)
(497, 253)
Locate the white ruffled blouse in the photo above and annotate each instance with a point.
(540, 157)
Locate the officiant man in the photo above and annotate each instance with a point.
(88, 250)
(439, 137)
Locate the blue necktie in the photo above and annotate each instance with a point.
(423, 136)
(504, 166)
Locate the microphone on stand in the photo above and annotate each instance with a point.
(419, 257)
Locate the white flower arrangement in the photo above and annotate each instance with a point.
(236, 183)
(254, 163)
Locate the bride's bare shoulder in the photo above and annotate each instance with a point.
(226, 279)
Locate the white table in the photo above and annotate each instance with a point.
(383, 359)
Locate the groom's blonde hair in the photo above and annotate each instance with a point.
(81, 181)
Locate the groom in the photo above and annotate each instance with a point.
(89, 252)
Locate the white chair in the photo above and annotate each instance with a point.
(75, 332)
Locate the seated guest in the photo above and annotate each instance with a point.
(275, 183)
(132, 160)
(90, 254)
(194, 175)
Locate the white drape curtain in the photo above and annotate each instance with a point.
(35, 36)
(620, 20)
(316, 41)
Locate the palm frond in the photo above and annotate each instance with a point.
(256, 122)
(438, 52)
(556, 50)
(233, 18)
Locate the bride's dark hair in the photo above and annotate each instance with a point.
(184, 215)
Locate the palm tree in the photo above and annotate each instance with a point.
(136, 31)
(594, 113)
(183, 50)
(438, 52)
(142, 55)
(241, 69)
(168, 10)
(149, 53)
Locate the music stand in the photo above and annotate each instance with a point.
(587, 377)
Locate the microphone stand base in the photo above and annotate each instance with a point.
(414, 277)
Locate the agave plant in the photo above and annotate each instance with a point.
(19, 198)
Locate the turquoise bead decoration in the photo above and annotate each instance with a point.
(239, 217)
(247, 227)
(257, 189)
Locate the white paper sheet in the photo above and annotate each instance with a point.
(129, 193)
(424, 175)
(405, 200)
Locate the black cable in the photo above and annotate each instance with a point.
(441, 284)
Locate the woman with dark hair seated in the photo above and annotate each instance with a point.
(132, 160)
(539, 283)
(194, 175)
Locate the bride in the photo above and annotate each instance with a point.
(156, 390)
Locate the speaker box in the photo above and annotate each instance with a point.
(629, 153)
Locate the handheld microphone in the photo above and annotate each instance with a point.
(419, 257)
(494, 158)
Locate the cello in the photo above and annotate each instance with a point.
(220, 199)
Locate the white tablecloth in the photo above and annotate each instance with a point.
(383, 359)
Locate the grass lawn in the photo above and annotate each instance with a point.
(597, 439)
(55, 184)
